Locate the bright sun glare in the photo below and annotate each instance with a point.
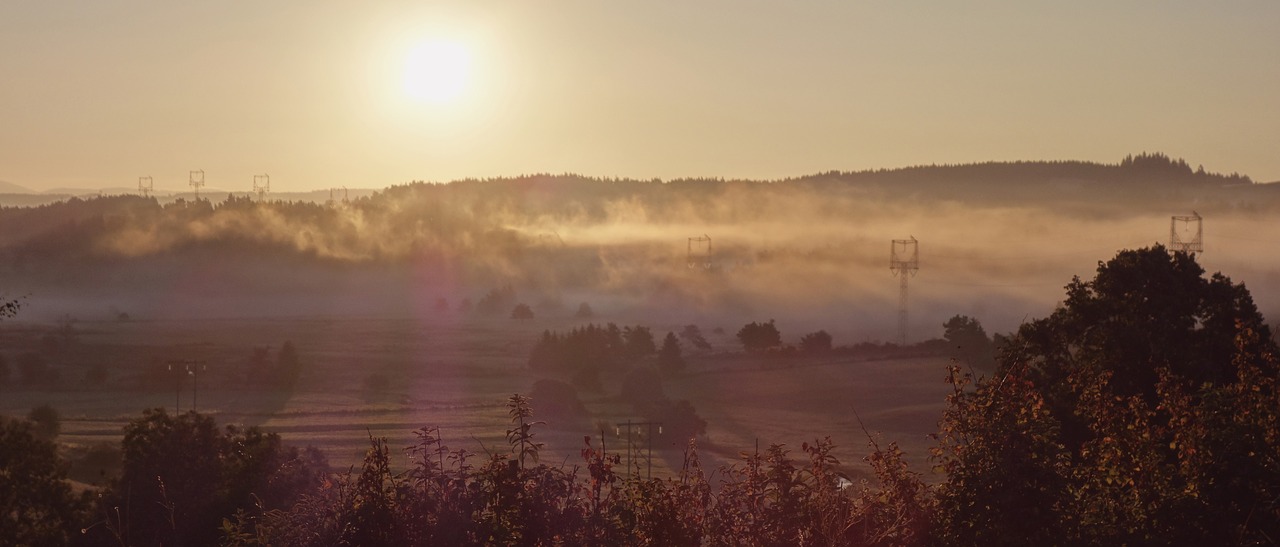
(437, 72)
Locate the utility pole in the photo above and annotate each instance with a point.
(145, 186)
(904, 262)
(192, 367)
(649, 440)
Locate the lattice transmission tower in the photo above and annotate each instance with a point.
(196, 179)
(699, 252)
(145, 186)
(262, 185)
(1186, 233)
(904, 262)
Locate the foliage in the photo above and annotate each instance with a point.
(1143, 411)
(522, 311)
(584, 311)
(583, 351)
(968, 341)
(556, 398)
(181, 476)
(638, 343)
(757, 337)
(693, 335)
(816, 342)
(670, 360)
(496, 300)
(444, 499)
(282, 374)
(35, 371)
(46, 422)
(37, 506)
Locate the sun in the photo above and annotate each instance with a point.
(437, 72)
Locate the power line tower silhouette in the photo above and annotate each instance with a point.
(261, 185)
(701, 256)
(904, 262)
(145, 186)
(1186, 233)
(196, 179)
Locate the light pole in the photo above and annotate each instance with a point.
(649, 441)
(192, 367)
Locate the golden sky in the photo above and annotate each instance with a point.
(323, 93)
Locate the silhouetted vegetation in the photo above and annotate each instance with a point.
(1145, 410)
(37, 506)
(522, 311)
(591, 347)
(757, 337)
(816, 342)
(670, 360)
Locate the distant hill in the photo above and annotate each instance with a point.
(11, 188)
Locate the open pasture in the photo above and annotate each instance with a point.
(387, 376)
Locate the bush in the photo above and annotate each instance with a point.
(522, 311)
(756, 337)
(670, 361)
(556, 399)
(816, 342)
(46, 422)
(37, 506)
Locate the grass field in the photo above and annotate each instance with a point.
(457, 374)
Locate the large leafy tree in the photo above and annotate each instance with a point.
(1144, 410)
(37, 506)
(183, 474)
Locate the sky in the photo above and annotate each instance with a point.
(319, 94)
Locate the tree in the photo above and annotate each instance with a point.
(46, 422)
(288, 366)
(638, 342)
(693, 335)
(816, 342)
(968, 341)
(759, 336)
(670, 361)
(37, 506)
(180, 476)
(35, 371)
(522, 311)
(1145, 410)
(584, 311)
(496, 300)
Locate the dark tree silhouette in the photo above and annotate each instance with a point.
(757, 337)
(522, 311)
(670, 361)
(816, 342)
(1143, 411)
(37, 506)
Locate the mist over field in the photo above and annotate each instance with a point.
(997, 242)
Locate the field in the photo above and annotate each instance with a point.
(457, 373)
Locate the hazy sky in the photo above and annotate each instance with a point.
(314, 93)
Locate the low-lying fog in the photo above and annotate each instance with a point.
(808, 256)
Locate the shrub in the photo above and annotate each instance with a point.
(757, 337)
(816, 342)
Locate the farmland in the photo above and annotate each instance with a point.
(385, 376)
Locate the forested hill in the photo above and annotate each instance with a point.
(508, 214)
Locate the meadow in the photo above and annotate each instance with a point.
(385, 377)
